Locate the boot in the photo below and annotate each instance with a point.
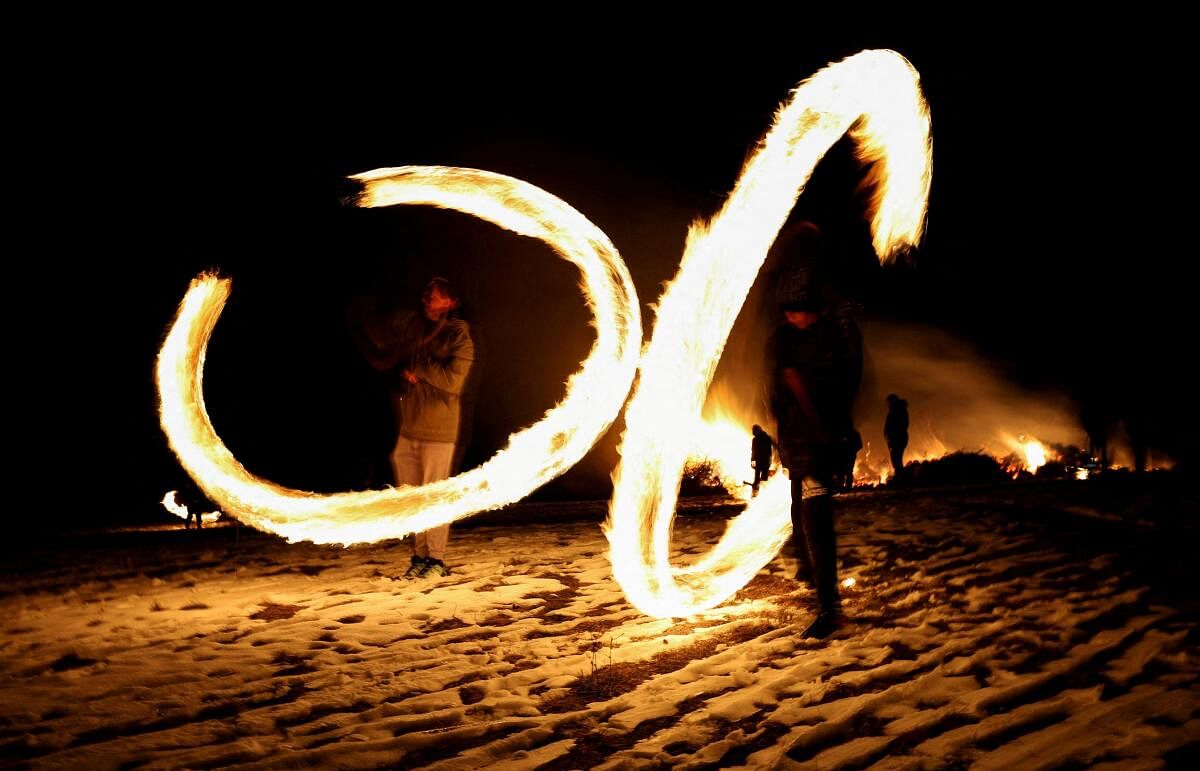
(816, 515)
(417, 567)
(822, 626)
(800, 552)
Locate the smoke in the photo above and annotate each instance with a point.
(957, 399)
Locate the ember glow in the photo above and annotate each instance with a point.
(874, 96)
(533, 456)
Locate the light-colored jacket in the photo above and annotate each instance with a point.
(431, 409)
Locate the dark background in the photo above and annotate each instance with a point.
(1055, 239)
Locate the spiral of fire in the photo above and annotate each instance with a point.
(594, 394)
(875, 98)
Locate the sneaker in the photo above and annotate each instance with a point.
(435, 568)
(821, 627)
(417, 568)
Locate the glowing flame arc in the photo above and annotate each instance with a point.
(533, 456)
(876, 98)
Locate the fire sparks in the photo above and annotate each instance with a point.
(533, 456)
(875, 96)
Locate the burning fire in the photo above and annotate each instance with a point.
(1025, 454)
(533, 456)
(876, 97)
(1035, 454)
(722, 440)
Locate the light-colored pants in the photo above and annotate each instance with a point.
(417, 462)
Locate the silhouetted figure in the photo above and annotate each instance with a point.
(895, 430)
(816, 371)
(1136, 427)
(1097, 424)
(848, 447)
(428, 356)
(762, 447)
(188, 495)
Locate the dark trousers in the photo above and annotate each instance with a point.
(814, 543)
(760, 475)
(897, 452)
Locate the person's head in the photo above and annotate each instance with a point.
(803, 292)
(801, 319)
(757, 429)
(892, 399)
(439, 298)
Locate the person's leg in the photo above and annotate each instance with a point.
(406, 470)
(817, 519)
(437, 459)
(816, 515)
(800, 548)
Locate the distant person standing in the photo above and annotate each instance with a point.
(895, 430)
(1098, 423)
(848, 447)
(428, 355)
(761, 449)
(816, 356)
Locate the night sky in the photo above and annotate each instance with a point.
(1054, 243)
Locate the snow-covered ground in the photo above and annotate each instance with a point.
(974, 637)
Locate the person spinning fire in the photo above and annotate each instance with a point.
(816, 365)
